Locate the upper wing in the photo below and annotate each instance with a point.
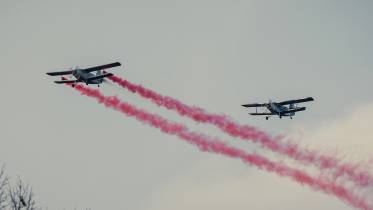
(254, 105)
(263, 113)
(296, 101)
(96, 68)
(59, 73)
(100, 76)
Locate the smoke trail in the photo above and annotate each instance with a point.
(214, 145)
(224, 123)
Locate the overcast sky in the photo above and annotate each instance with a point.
(214, 54)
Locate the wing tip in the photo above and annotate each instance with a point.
(117, 64)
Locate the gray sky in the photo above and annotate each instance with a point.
(214, 54)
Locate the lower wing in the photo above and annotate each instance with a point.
(100, 76)
(66, 81)
(263, 113)
(294, 110)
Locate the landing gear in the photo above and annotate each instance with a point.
(73, 85)
(280, 117)
(98, 85)
(291, 118)
(267, 117)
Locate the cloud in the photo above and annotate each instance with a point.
(219, 183)
(350, 136)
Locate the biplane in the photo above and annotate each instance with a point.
(281, 109)
(86, 75)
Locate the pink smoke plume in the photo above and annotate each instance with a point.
(214, 145)
(354, 171)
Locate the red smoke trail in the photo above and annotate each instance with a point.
(205, 143)
(224, 123)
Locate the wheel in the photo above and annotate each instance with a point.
(267, 118)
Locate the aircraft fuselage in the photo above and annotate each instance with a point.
(83, 77)
(279, 110)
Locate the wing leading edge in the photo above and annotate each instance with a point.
(296, 101)
(106, 66)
